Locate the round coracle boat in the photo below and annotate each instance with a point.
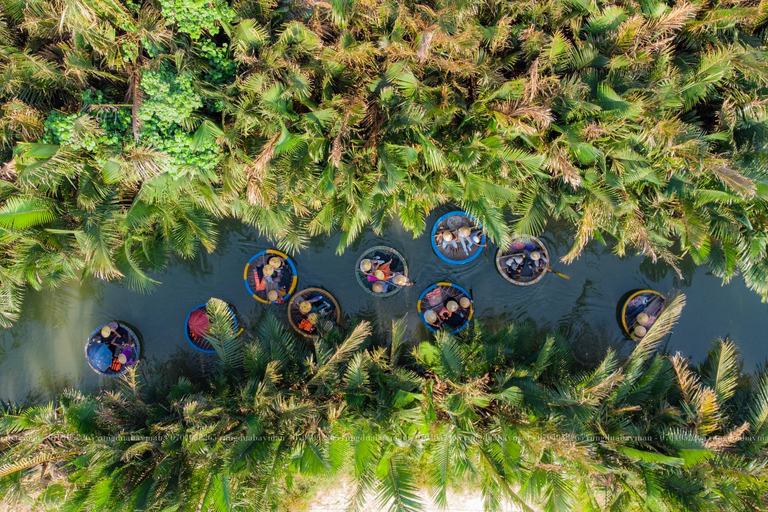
(457, 238)
(197, 325)
(112, 348)
(312, 311)
(639, 311)
(524, 262)
(445, 306)
(382, 271)
(270, 276)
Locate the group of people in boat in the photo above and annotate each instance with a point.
(518, 264)
(273, 279)
(464, 239)
(446, 307)
(120, 343)
(380, 275)
(640, 312)
(312, 310)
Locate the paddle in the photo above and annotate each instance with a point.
(557, 273)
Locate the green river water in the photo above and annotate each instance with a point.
(45, 349)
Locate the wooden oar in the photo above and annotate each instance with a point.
(558, 273)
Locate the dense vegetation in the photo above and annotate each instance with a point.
(509, 411)
(129, 129)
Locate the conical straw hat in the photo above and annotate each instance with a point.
(535, 255)
(465, 231)
(272, 295)
(276, 262)
(312, 317)
(268, 270)
(105, 331)
(305, 306)
(379, 275)
(465, 302)
(430, 317)
(640, 331)
(452, 306)
(447, 235)
(366, 265)
(401, 280)
(377, 287)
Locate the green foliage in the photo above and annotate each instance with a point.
(643, 123)
(488, 410)
(195, 17)
(168, 107)
(170, 97)
(220, 68)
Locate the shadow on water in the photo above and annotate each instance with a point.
(45, 348)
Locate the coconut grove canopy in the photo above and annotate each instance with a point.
(312, 310)
(457, 237)
(270, 276)
(382, 271)
(524, 262)
(196, 327)
(445, 306)
(639, 311)
(112, 348)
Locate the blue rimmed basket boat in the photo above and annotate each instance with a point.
(262, 277)
(386, 264)
(460, 249)
(435, 301)
(103, 353)
(196, 325)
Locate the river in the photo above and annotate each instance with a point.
(45, 349)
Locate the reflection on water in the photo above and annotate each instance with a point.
(45, 349)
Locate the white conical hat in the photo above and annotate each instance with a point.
(430, 317)
(452, 306)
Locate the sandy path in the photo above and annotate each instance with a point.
(335, 499)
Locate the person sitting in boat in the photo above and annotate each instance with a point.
(431, 318)
(514, 266)
(382, 270)
(400, 280)
(464, 238)
(538, 262)
(448, 311)
(477, 237)
(277, 295)
(446, 239)
(380, 287)
(366, 267)
(317, 304)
